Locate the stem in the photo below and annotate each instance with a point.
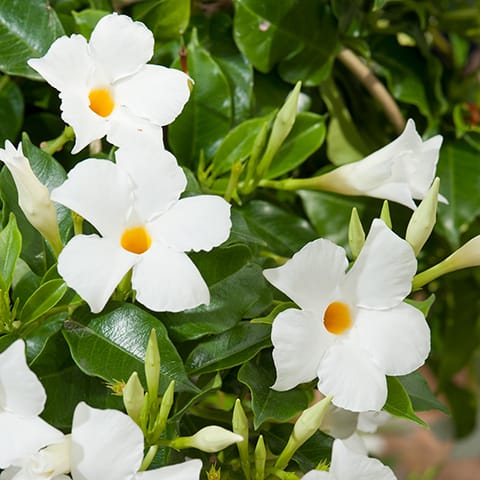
(152, 451)
(52, 146)
(374, 86)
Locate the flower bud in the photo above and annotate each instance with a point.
(356, 234)
(152, 364)
(423, 219)
(310, 420)
(209, 439)
(385, 214)
(133, 396)
(260, 459)
(240, 427)
(33, 196)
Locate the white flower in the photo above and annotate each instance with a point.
(33, 196)
(353, 328)
(22, 398)
(349, 465)
(143, 224)
(107, 88)
(401, 171)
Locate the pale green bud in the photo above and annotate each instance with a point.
(385, 214)
(260, 459)
(152, 364)
(310, 420)
(423, 219)
(165, 407)
(133, 396)
(356, 234)
(33, 196)
(240, 427)
(209, 439)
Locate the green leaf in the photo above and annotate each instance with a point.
(167, 19)
(300, 36)
(399, 403)
(283, 232)
(267, 404)
(231, 299)
(306, 137)
(422, 305)
(112, 346)
(27, 29)
(459, 172)
(226, 350)
(207, 117)
(10, 248)
(420, 394)
(42, 300)
(11, 110)
(86, 20)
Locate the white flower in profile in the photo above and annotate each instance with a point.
(22, 398)
(135, 205)
(350, 465)
(33, 196)
(106, 86)
(352, 328)
(401, 171)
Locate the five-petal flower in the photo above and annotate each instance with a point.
(106, 86)
(135, 205)
(353, 328)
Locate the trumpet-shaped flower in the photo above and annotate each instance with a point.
(106, 86)
(349, 465)
(143, 224)
(353, 327)
(33, 196)
(22, 398)
(401, 171)
(104, 444)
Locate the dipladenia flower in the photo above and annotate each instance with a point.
(401, 171)
(143, 224)
(22, 398)
(106, 86)
(349, 465)
(33, 196)
(352, 328)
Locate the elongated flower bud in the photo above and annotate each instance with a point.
(209, 439)
(133, 396)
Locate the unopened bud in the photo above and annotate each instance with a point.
(240, 427)
(356, 234)
(423, 219)
(133, 397)
(385, 214)
(152, 365)
(260, 459)
(209, 439)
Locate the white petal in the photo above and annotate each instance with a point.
(158, 179)
(129, 130)
(382, 275)
(300, 341)
(394, 191)
(168, 281)
(106, 444)
(120, 46)
(398, 339)
(339, 423)
(93, 267)
(349, 465)
(20, 390)
(194, 223)
(23, 436)
(87, 125)
(317, 475)
(67, 65)
(370, 421)
(189, 470)
(312, 275)
(347, 373)
(100, 192)
(155, 92)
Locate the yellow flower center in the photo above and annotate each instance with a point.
(136, 240)
(101, 101)
(337, 318)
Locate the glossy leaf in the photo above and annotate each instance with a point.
(10, 248)
(112, 346)
(300, 37)
(27, 29)
(419, 392)
(229, 349)
(267, 404)
(86, 20)
(11, 110)
(207, 117)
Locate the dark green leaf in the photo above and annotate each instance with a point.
(300, 36)
(27, 29)
(112, 346)
(228, 349)
(399, 403)
(267, 404)
(86, 20)
(231, 299)
(10, 248)
(11, 110)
